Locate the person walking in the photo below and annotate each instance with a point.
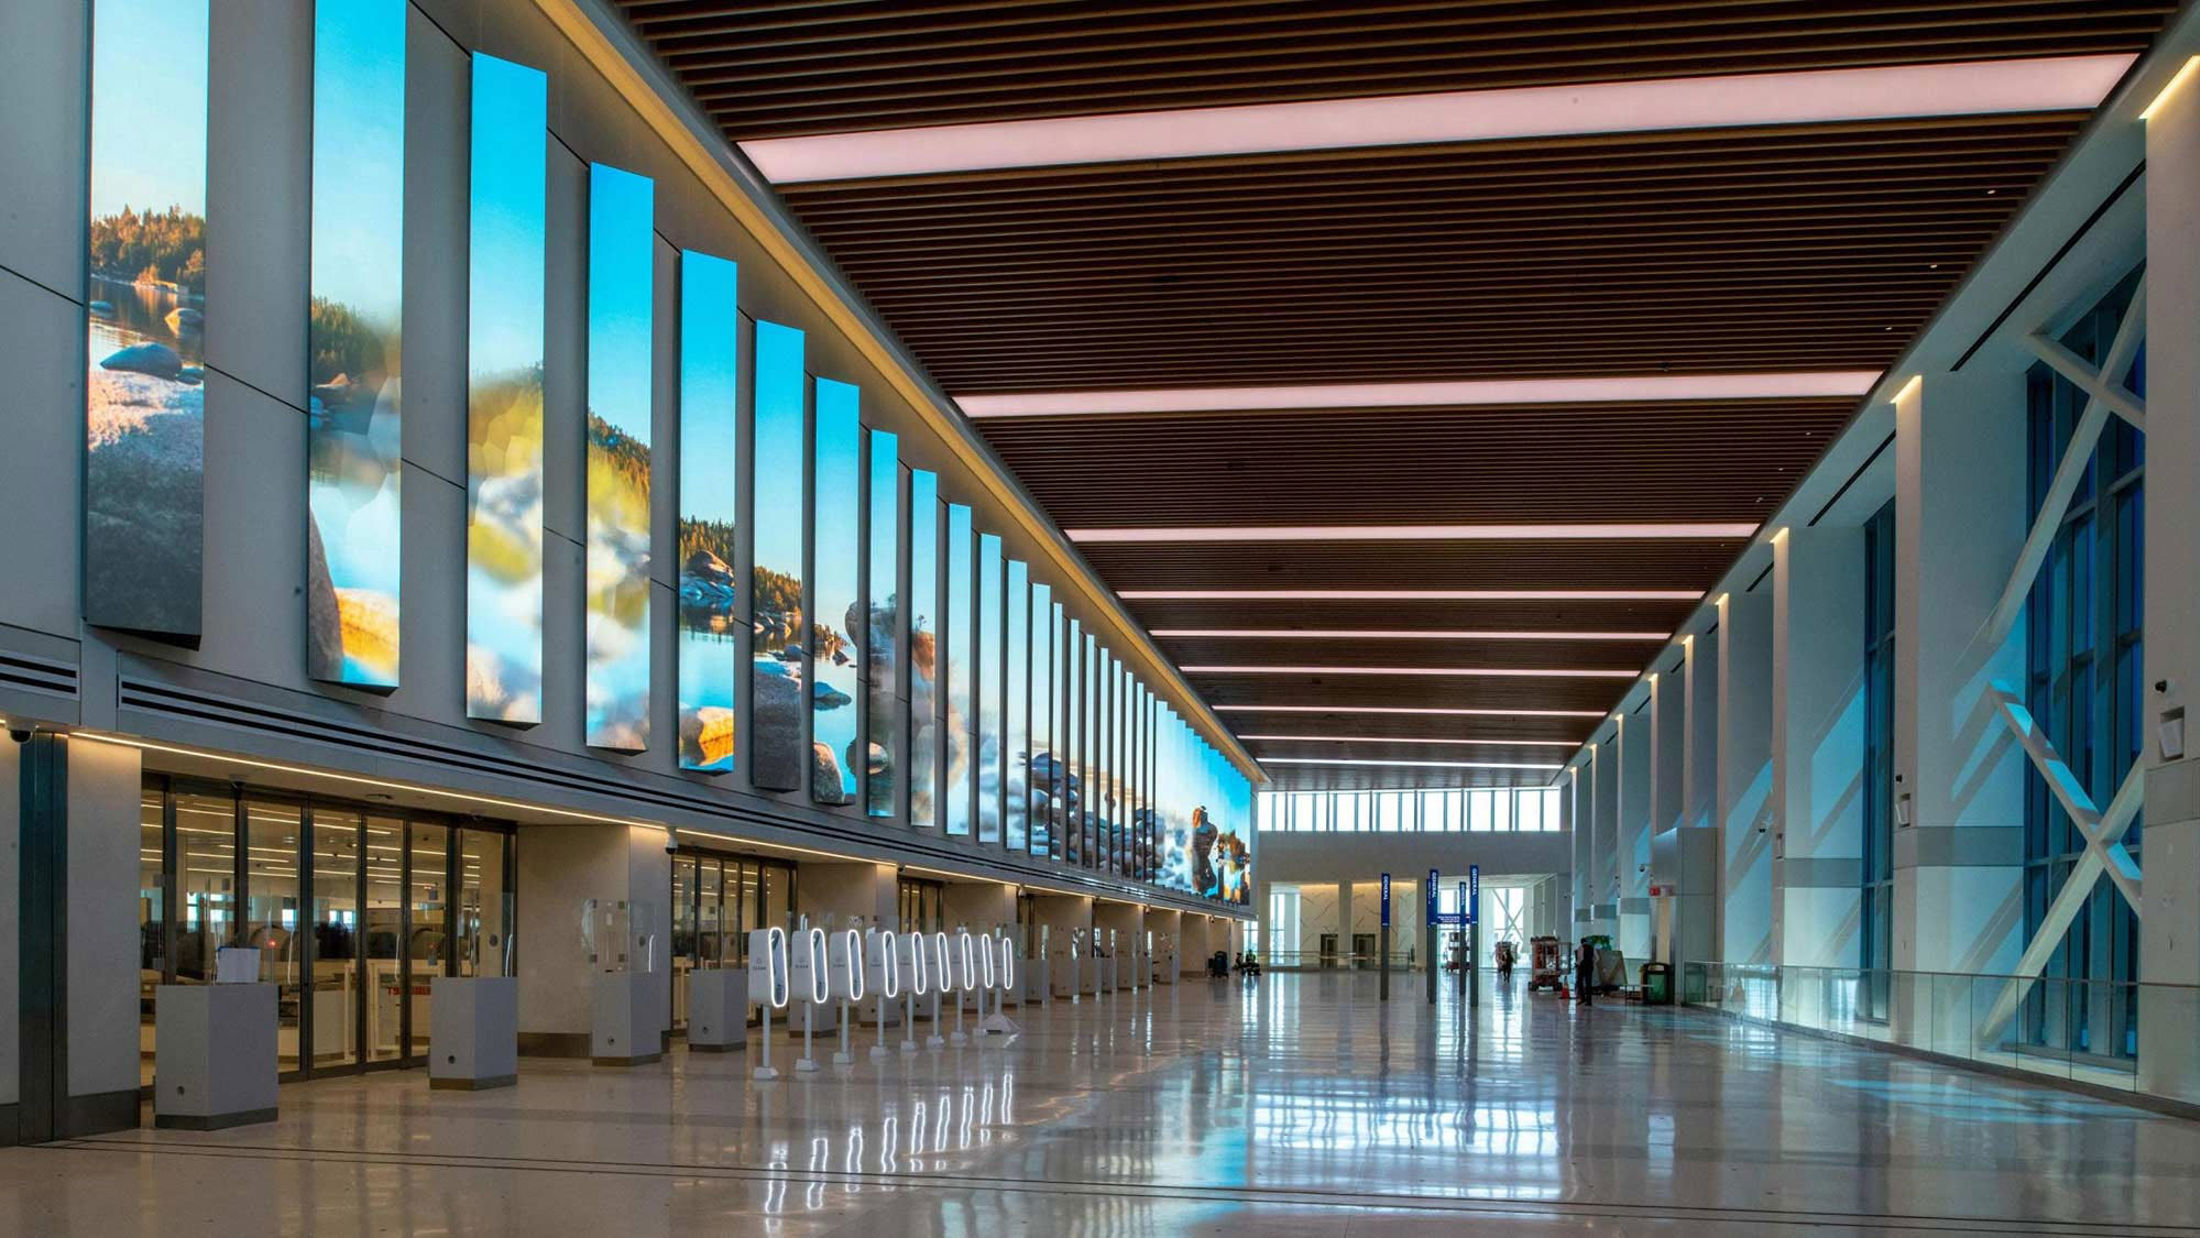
(1585, 974)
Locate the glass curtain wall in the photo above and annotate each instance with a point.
(2086, 691)
(1875, 945)
(716, 899)
(350, 909)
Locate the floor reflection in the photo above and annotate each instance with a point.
(1298, 1102)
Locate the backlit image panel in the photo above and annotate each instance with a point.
(924, 649)
(711, 606)
(622, 268)
(778, 688)
(987, 685)
(1091, 752)
(504, 340)
(1176, 810)
(836, 763)
(960, 629)
(1073, 742)
(884, 677)
(144, 391)
(1046, 762)
(1016, 727)
(353, 428)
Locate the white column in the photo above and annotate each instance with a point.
(2169, 921)
(1700, 736)
(1960, 521)
(1744, 781)
(1604, 890)
(1572, 807)
(1635, 741)
(1668, 748)
(1817, 744)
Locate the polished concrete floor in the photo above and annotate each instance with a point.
(1301, 1105)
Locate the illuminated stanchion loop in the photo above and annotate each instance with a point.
(961, 976)
(940, 982)
(909, 962)
(1000, 956)
(808, 976)
(880, 968)
(845, 963)
(770, 986)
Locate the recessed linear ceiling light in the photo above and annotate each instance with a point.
(1471, 672)
(1472, 392)
(1392, 634)
(1824, 96)
(1413, 764)
(1421, 533)
(1413, 595)
(1416, 739)
(1418, 711)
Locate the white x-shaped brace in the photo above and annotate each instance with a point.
(2105, 393)
(2103, 830)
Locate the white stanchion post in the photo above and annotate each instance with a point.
(960, 964)
(935, 1040)
(878, 973)
(807, 975)
(909, 961)
(845, 959)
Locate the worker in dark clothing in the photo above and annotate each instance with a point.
(1585, 973)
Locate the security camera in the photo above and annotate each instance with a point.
(19, 734)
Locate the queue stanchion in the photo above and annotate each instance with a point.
(768, 986)
(844, 957)
(959, 974)
(915, 977)
(880, 975)
(807, 976)
(938, 941)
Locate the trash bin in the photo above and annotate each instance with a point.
(1657, 984)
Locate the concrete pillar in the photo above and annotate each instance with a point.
(1634, 743)
(1744, 778)
(561, 867)
(1960, 522)
(839, 894)
(978, 905)
(2169, 921)
(1817, 744)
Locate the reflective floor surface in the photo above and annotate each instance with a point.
(1302, 1105)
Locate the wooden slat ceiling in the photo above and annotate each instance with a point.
(1823, 247)
(1804, 248)
(765, 69)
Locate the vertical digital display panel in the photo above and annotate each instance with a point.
(1041, 766)
(1073, 742)
(506, 259)
(960, 631)
(1234, 851)
(353, 428)
(1090, 752)
(885, 697)
(1105, 802)
(144, 392)
(924, 649)
(1176, 821)
(778, 699)
(622, 269)
(711, 607)
(1016, 729)
(987, 684)
(836, 763)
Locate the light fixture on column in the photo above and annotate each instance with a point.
(2170, 733)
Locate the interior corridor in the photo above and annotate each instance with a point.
(1298, 1104)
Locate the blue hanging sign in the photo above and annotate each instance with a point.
(1386, 900)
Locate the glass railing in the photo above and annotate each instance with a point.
(2082, 1030)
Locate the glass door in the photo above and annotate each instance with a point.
(427, 942)
(336, 1011)
(382, 936)
(274, 833)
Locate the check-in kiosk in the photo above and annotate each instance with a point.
(808, 976)
(627, 1027)
(1037, 970)
(769, 986)
(844, 968)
